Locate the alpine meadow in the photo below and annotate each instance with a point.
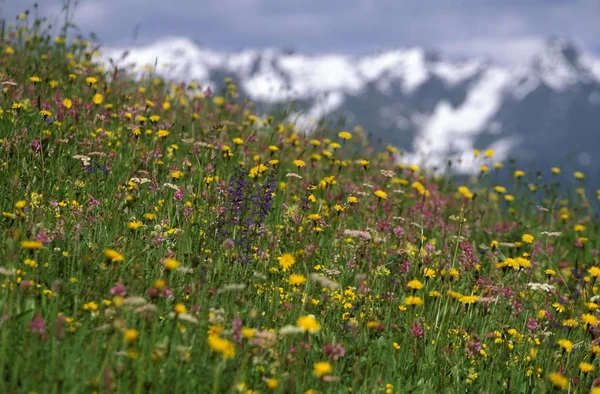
(160, 237)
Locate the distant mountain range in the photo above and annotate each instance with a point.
(543, 113)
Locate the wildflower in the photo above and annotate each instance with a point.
(429, 273)
(176, 174)
(223, 346)
(565, 344)
(31, 245)
(352, 200)
(588, 319)
(322, 368)
(180, 309)
(489, 153)
(98, 99)
(296, 280)
(558, 380)
(413, 300)
(113, 256)
(585, 367)
(286, 261)
(162, 133)
(579, 175)
(594, 271)
(519, 174)
(37, 325)
(272, 383)
(67, 103)
(345, 135)
(134, 225)
(555, 170)
(299, 163)
(170, 264)
(466, 193)
(380, 194)
(131, 335)
(308, 323)
(468, 299)
(90, 306)
(415, 284)
(527, 238)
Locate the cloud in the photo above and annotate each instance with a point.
(506, 30)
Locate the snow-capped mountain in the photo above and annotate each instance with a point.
(546, 112)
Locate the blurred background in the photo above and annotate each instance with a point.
(437, 79)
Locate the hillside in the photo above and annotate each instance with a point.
(157, 237)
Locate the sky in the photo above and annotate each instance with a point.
(509, 31)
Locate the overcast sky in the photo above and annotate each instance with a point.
(508, 30)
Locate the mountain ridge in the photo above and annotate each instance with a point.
(428, 104)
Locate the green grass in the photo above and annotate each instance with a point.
(193, 253)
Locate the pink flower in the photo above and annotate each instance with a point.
(37, 325)
(118, 290)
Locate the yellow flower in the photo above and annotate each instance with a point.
(67, 103)
(296, 280)
(413, 300)
(299, 163)
(565, 344)
(113, 256)
(98, 99)
(162, 133)
(579, 175)
(272, 383)
(415, 284)
(500, 189)
(352, 200)
(468, 299)
(180, 309)
(176, 174)
(466, 193)
(558, 380)
(489, 153)
(286, 261)
(429, 273)
(131, 335)
(380, 194)
(223, 346)
(308, 323)
(345, 135)
(587, 318)
(322, 368)
(31, 245)
(527, 238)
(90, 306)
(170, 264)
(134, 225)
(594, 271)
(91, 81)
(585, 367)
(519, 173)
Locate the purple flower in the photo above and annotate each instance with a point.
(118, 290)
(417, 330)
(36, 145)
(37, 325)
(532, 325)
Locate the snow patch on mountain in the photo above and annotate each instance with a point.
(328, 80)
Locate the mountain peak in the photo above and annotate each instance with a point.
(561, 47)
